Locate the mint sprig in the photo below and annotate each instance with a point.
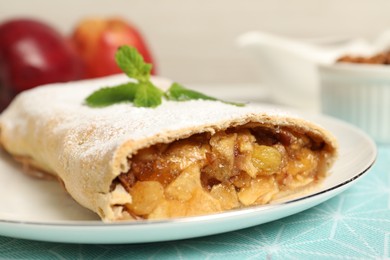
(148, 95)
(132, 63)
(179, 93)
(110, 95)
(142, 93)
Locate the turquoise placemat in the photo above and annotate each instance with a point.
(353, 225)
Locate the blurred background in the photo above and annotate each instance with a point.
(195, 41)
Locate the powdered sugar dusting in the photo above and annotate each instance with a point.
(115, 124)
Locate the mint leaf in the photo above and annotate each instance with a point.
(112, 95)
(179, 93)
(148, 95)
(143, 93)
(132, 63)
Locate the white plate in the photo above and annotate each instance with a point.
(41, 210)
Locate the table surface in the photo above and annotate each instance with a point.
(352, 225)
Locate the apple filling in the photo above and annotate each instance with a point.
(230, 169)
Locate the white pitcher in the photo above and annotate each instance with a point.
(288, 67)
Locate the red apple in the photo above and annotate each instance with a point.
(32, 53)
(97, 41)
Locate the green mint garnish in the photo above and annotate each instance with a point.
(179, 93)
(142, 93)
(148, 95)
(111, 95)
(132, 63)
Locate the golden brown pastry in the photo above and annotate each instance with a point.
(179, 159)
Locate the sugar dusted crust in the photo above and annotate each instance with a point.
(88, 148)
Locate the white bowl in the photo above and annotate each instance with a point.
(359, 94)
